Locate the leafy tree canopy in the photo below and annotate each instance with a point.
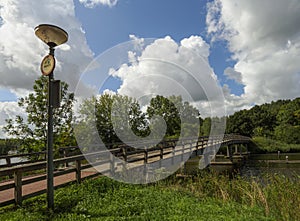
(120, 118)
(277, 120)
(32, 131)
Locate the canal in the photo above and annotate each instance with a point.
(255, 165)
(287, 164)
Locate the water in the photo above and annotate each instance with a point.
(13, 160)
(255, 166)
(261, 164)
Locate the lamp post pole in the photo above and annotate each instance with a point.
(52, 36)
(50, 164)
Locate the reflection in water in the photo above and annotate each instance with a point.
(256, 166)
(259, 165)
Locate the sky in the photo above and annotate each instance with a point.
(248, 50)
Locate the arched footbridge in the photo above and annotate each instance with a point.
(22, 180)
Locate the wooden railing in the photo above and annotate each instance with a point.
(28, 158)
(18, 171)
(164, 150)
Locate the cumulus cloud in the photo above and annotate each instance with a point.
(231, 74)
(264, 38)
(167, 68)
(233, 102)
(9, 110)
(21, 52)
(150, 67)
(93, 3)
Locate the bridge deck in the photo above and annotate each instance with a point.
(171, 154)
(7, 195)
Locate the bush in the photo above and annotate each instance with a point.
(207, 196)
(267, 145)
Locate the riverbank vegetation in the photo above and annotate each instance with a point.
(278, 120)
(267, 145)
(207, 196)
(273, 127)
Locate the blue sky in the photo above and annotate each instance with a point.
(106, 27)
(152, 19)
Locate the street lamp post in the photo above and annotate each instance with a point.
(52, 36)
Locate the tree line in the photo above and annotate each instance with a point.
(111, 111)
(118, 115)
(279, 120)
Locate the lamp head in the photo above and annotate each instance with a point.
(51, 35)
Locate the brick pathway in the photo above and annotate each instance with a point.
(41, 185)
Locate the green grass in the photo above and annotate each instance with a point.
(262, 144)
(206, 197)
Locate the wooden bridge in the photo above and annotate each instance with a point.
(23, 180)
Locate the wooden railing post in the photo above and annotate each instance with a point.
(18, 187)
(161, 154)
(8, 164)
(66, 155)
(78, 171)
(145, 156)
(241, 150)
(124, 152)
(230, 152)
(112, 164)
(182, 151)
(161, 151)
(197, 143)
(173, 154)
(227, 151)
(8, 161)
(246, 145)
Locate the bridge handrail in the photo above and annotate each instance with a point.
(158, 152)
(65, 151)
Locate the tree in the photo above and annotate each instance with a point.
(33, 130)
(179, 116)
(205, 127)
(120, 119)
(116, 117)
(264, 118)
(290, 113)
(278, 119)
(240, 123)
(288, 118)
(163, 107)
(288, 133)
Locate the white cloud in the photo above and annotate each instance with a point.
(168, 68)
(233, 102)
(93, 3)
(264, 37)
(8, 110)
(109, 92)
(21, 52)
(231, 74)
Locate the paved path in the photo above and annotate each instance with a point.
(41, 185)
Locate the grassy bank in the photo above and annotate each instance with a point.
(267, 145)
(206, 197)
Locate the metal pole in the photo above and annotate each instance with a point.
(50, 165)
